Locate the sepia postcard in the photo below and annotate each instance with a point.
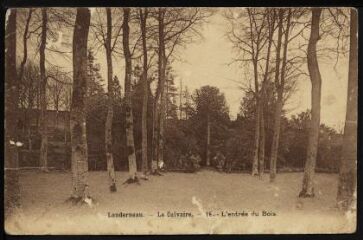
(180, 120)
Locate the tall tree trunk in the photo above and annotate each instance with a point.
(279, 85)
(128, 102)
(162, 72)
(29, 133)
(67, 119)
(43, 95)
(278, 107)
(315, 78)
(110, 100)
(78, 113)
(257, 123)
(155, 137)
(56, 114)
(11, 178)
(347, 186)
(162, 120)
(159, 102)
(143, 17)
(261, 153)
(38, 107)
(30, 109)
(27, 122)
(275, 137)
(180, 100)
(186, 110)
(207, 162)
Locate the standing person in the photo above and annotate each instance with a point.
(220, 160)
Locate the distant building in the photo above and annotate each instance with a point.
(58, 138)
(55, 120)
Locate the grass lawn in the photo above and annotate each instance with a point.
(44, 210)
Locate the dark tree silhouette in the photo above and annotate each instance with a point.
(348, 166)
(11, 188)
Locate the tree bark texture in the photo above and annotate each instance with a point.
(160, 98)
(263, 92)
(257, 123)
(208, 142)
(144, 143)
(155, 138)
(261, 153)
(128, 101)
(110, 100)
(279, 86)
(43, 94)
(162, 73)
(78, 113)
(25, 45)
(11, 177)
(315, 78)
(347, 185)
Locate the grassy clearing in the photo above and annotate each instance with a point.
(44, 210)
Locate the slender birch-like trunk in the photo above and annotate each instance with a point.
(279, 85)
(43, 95)
(110, 100)
(160, 99)
(144, 143)
(162, 70)
(208, 142)
(261, 153)
(257, 123)
(155, 138)
(128, 98)
(278, 107)
(263, 92)
(21, 73)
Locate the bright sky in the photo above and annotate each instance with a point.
(206, 62)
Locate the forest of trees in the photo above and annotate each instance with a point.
(144, 123)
